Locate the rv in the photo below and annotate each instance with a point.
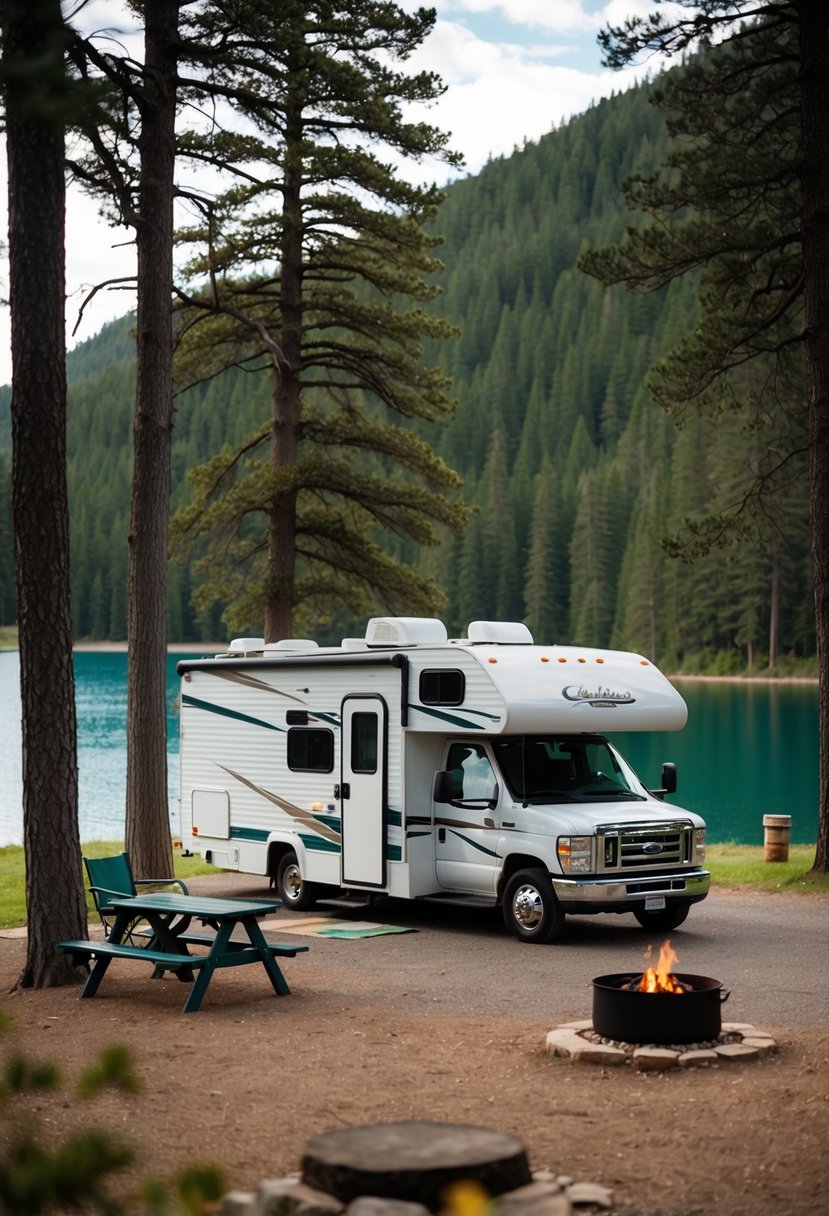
(475, 770)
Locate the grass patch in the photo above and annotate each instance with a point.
(731, 865)
(739, 865)
(13, 877)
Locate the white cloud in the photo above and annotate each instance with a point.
(514, 69)
(500, 94)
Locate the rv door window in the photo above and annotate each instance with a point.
(311, 751)
(364, 743)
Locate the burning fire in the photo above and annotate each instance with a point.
(659, 978)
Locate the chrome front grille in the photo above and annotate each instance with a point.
(644, 846)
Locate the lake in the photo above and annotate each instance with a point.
(749, 749)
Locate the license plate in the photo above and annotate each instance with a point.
(654, 903)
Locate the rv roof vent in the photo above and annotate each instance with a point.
(508, 633)
(293, 644)
(405, 631)
(353, 644)
(246, 645)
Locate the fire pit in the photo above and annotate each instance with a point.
(658, 1005)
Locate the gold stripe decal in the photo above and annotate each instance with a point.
(249, 681)
(304, 818)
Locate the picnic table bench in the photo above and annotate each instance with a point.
(169, 917)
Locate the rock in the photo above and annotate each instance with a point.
(567, 1043)
(370, 1205)
(764, 1044)
(308, 1201)
(693, 1059)
(271, 1193)
(654, 1059)
(238, 1203)
(583, 1025)
(535, 1199)
(584, 1194)
(736, 1051)
(289, 1197)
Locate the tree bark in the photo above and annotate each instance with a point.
(286, 405)
(814, 53)
(147, 832)
(35, 83)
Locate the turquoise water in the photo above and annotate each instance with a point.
(101, 703)
(748, 750)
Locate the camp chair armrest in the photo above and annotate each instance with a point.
(103, 896)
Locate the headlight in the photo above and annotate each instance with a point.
(575, 854)
(699, 844)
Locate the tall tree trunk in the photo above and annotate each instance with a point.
(814, 52)
(148, 837)
(774, 610)
(286, 404)
(35, 84)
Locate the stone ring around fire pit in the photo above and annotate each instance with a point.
(579, 1042)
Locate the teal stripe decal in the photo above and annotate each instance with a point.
(248, 834)
(315, 844)
(394, 818)
(330, 821)
(454, 719)
(394, 852)
(474, 843)
(227, 713)
(414, 835)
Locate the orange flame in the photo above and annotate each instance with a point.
(659, 978)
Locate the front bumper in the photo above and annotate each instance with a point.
(613, 895)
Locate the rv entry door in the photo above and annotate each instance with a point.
(363, 791)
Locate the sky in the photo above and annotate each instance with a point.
(513, 70)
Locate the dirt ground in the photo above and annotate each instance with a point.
(363, 1038)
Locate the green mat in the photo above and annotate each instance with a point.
(366, 931)
(326, 925)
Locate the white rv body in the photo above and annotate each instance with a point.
(400, 764)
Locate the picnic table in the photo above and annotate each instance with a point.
(169, 917)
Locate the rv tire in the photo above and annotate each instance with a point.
(665, 919)
(531, 910)
(291, 887)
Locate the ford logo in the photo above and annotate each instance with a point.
(652, 846)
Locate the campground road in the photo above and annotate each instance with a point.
(770, 951)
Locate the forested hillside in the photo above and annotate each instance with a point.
(577, 476)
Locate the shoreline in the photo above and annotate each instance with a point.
(172, 647)
(212, 648)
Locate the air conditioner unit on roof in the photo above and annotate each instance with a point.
(405, 631)
(509, 633)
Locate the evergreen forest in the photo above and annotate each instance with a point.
(582, 487)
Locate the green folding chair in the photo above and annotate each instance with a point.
(112, 878)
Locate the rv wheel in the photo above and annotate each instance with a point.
(291, 887)
(531, 910)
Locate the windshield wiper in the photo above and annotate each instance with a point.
(627, 795)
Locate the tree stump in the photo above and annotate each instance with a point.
(413, 1160)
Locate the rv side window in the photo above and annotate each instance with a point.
(364, 743)
(442, 687)
(311, 751)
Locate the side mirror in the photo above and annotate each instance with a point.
(668, 780)
(669, 777)
(446, 786)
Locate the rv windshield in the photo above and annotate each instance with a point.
(564, 768)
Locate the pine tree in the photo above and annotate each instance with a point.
(745, 197)
(291, 518)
